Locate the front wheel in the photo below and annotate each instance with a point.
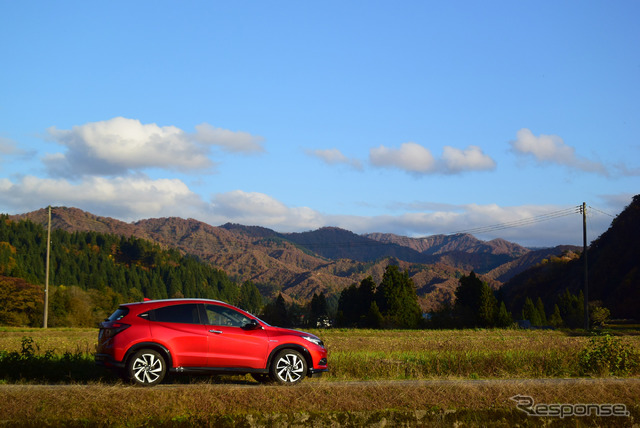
(288, 367)
(146, 368)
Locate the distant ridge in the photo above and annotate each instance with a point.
(325, 260)
(441, 244)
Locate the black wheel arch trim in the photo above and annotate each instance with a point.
(166, 354)
(304, 351)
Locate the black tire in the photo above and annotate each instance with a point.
(146, 368)
(289, 367)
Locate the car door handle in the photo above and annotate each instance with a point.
(215, 331)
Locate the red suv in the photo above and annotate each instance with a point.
(144, 340)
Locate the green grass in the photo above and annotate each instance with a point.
(29, 357)
(59, 355)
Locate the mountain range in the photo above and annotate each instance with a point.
(325, 260)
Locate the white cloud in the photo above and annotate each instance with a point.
(470, 159)
(126, 198)
(410, 157)
(627, 171)
(121, 145)
(565, 229)
(552, 149)
(253, 208)
(334, 157)
(8, 147)
(237, 142)
(414, 158)
(137, 197)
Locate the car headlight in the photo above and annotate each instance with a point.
(314, 340)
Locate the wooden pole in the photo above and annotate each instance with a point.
(586, 266)
(46, 275)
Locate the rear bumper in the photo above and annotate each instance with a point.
(107, 360)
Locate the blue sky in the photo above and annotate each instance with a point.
(409, 117)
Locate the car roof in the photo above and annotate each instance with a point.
(183, 300)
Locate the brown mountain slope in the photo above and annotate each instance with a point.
(508, 270)
(74, 219)
(462, 251)
(441, 244)
(291, 262)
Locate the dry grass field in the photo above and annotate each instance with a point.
(403, 377)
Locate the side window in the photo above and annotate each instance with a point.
(118, 314)
(185, 314)
(223, 316)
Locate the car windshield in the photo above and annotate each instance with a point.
(258, 319)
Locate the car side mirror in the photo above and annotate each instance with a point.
(252, 325)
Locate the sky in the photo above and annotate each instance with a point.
(417, 118)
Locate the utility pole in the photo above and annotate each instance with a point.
(46, 275)
(586, 266)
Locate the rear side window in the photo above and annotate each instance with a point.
(118, 314)
(184, 314)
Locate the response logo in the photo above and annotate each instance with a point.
(527, 404)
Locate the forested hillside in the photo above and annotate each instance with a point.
(613, 271)
(111, 268)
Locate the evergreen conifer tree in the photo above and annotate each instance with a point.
(556, 319)
(397, 299)
(529, 312)
(541, 312)
(504, 318)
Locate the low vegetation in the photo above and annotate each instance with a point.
(53, 355)
(467, 377)
(444, 404)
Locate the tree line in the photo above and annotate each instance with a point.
(91, 273)
(391, 304)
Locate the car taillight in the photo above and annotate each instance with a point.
(113, 329)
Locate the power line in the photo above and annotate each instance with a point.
(522, 222)
(477, 230)
(601, 212)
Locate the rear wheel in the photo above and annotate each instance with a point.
(288, 367)
(146, 368)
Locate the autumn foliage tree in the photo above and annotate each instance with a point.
(22, 302)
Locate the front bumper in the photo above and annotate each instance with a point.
(317, 372)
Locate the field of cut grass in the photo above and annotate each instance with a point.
(461, 403)
(426, 354)
(364, 354)
(414, 378)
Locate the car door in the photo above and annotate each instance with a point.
(231, 345)
(179, 328)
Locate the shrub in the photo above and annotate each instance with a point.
(608, 355)
(31, 365)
